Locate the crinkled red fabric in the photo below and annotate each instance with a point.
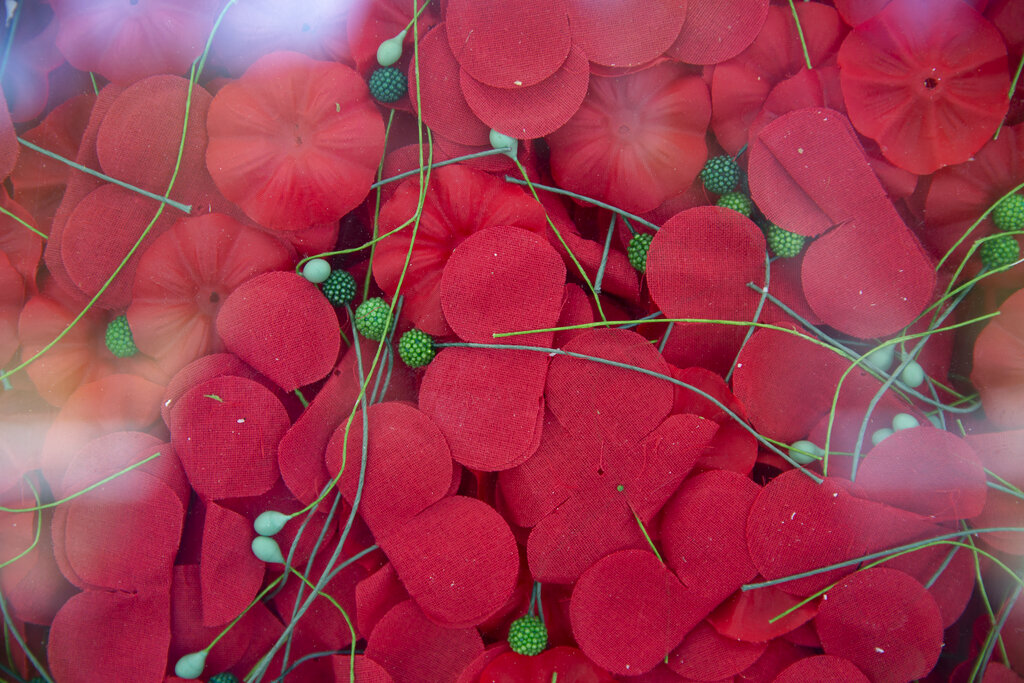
(412, 648)
(824, 668)
(441, 103)
(531, 111)
(884, 622)
(927, 79)
(468, 391)
(808, 88)
(716, 30)
(408, 465)
(748, 615)
(703, 534)
(226, 432)
(230, 575)
(183, 279)
(502, 279)
(567, 662)
(698, 266)
(797, 525)
(129, 634)
(998, 371)
(124, 44)
(599, 399)
(458, 560)
(625, 33)
(740, 86)
(637, 140)
(925, 470)
(509, 43)
(294, 141)
(705, 655)
(281, 325)
(459, 202)
(628, 611)
(376, 595)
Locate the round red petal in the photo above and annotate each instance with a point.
(998, 370)
(376, 595)
(124, 44)
(599, 399)
(230, 575)
(23, 247)
(458, 560)
(183, 278)
(12, 298)
(716, 30)
(366, 670)
(568, 663)
(441, 102)
(280, 324)
(796, 525)
(884, 622)
(408, 465)
(748, 615)
(628, 611)
(414, 649)
(927, 79)
(531, 111)
(460, 202)
(508, 43)
(226, 432)
(703, 534)
(610, 33)
(294, 141)
(198, 371)
(503, 279)
(637, 140)
(927, 471)
(824, 668)
(112, 620)
(466, 392)
(705, 655)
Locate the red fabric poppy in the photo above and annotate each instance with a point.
(226, 431)
(637, 140)
(884, 622)
(716, 30)
(998, 370)
(459, 202)
(610, 34)
(733, 448)
(508, 44)
(294, 141)
(412, 648)
(706, 655)
(824, 668)
(740, 86)
(185, 276)
(927, 80)
(230, 575)
(396, 488)
(629, 611)
(124, 44)
(568, 663)
(128, 637)
(442, 105)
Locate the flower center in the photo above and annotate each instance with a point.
(931, 83)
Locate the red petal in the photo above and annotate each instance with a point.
(294, 141)
(458, 560)
(705, 655)
(568, 663)
(376, 595)
(408, 465)
(230, 575)
(748, 615)
(716, 30)
(610, 33)
(441, 103)
(824, 668)
(366, 670)
(628, 611)
(1002, 453)
(884, 622)
(127, 637)
(12, 298)
(280, 324)
(8, 141)
(927, 79)
(226, 432)
(998, 370)
(506, 44)
(414, 649)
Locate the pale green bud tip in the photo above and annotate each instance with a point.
(390, 51)
(904, 421)
(316, 270)
(191, 665)
(270, 522)
(502, 141)
(913, 374)
(881, 435)
(881, 359)
(805, 452)
(267, 549)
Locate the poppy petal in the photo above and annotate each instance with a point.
(826, 668)
(229, 573)
(610, 34)
(706, 655)
(716, 30)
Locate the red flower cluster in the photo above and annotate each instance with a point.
(298, 385)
